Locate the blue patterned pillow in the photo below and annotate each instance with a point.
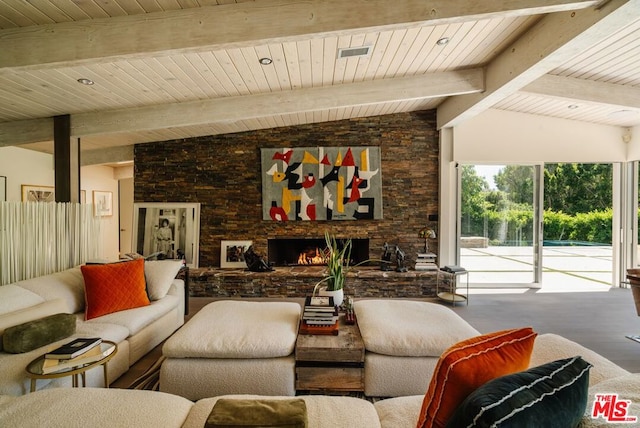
(550, 395)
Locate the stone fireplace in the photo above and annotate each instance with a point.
(290, 251)
(223, 174)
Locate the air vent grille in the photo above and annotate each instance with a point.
(351, 52)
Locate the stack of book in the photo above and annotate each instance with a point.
(320, 316)
(73, 354)
(426, 261)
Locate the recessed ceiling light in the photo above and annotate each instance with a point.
(265, 61)
(85, 81)
(442, 41)
(572, 106)
(623, 114)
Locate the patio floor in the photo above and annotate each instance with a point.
(564, 268)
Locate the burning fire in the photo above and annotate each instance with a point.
(311, 257)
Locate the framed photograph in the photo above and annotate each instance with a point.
(167, 231)
(102, 203)
(3, 188)
(232, 254)
(31, 193)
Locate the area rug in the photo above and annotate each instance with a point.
(149, 380)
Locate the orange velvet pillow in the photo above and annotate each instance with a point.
(113, 287)
(468, 365)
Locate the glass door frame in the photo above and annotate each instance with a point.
(538, 210)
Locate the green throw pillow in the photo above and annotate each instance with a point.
(235, 413)
(34, 334)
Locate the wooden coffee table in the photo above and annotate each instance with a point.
(330, 363)
(34, 368)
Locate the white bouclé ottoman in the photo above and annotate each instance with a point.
(233, 347)
(403, 341)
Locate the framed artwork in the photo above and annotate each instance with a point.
(31, 193)
(167, 231)
(102, 203)
(321, 183)
(232, 253)
(3, 188)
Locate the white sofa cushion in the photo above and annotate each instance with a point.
(159, 275)
(136, 319)
(31, 313)
(399, 412)
(410, 328)
(95, 407)
(322, 411)
(67, 285)
(237, 329)
(108, 331)
(13, 298)
(550, 347)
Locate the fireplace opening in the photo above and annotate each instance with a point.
(308, 251)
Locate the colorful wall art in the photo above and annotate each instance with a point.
(321, 183)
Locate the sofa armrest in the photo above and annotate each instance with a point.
(183, 274)
(179, 290)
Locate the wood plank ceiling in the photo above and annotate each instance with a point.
(170, 69)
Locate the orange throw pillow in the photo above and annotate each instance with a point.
(113, 287)
(468, 365)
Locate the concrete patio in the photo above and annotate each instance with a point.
(564, 268)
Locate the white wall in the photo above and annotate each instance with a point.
(633, 147)
(498, 136)
(22, 166)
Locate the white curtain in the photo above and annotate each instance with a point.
(39, 238)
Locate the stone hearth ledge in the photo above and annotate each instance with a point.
(298, 281)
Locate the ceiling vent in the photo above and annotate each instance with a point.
(352, 52)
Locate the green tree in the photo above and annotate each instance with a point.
(516, 181)
(574, 188)
(473, 204)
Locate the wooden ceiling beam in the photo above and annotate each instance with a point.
(576, 90)
(550, 43)
(231, 109)
(238, 25)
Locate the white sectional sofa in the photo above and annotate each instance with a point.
(119, 408)
(136, 331)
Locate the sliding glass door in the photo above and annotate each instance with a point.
(500, 220)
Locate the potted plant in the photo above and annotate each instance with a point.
(337, 259)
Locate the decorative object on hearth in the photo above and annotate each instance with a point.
(385, 263)
(337, 256)
(232, 254)
(427, 233)
(256, 262)
(321, 183)
(400, 267)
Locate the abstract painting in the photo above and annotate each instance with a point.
(321, 183)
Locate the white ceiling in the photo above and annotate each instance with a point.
(170, 69)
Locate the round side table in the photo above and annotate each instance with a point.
(108, 350)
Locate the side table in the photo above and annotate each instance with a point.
(451, 295)
(331, 363)
(34, 368)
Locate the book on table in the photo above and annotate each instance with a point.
(319, 303)
(50, 365)
(73, 349)
(331, 329)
